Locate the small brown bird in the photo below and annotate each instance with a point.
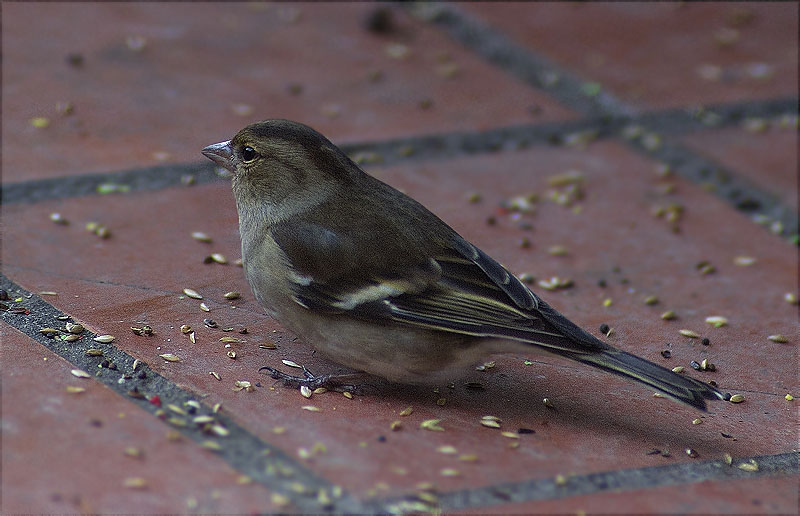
(376, 282)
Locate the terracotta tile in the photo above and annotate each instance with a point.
(757, 496)
(201, 64)
(65, 453)
(768, 159)
(600, 423)
(654, 55)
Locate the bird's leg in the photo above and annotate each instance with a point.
(338, 382)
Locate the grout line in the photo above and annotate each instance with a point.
(608, 481)
(534, 69)
(244, 451)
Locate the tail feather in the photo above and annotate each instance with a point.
(668, 383)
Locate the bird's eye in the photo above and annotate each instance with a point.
(249, 154)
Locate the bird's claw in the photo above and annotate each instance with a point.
(328, 381)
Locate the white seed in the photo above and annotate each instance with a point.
(105, 339)
(305, 391)
(219, 258)
(169, 357)
(232, 295)
(200, 236)
(779, 338)
(689, 333)
(716, 321)
(744, 261)
(490, 423)
(204, 307)
(310, 408)
(80, 373)
(736, 398)
(291, 364)
(192, 293)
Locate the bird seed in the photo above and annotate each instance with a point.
(192, 293)
(169, 357)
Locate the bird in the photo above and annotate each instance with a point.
(376, 282)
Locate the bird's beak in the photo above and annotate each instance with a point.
(220, 153)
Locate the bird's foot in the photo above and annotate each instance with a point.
(336, 382)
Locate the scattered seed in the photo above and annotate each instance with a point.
(240, 385)
(651, 300)
(727, 458)
(778, 338)
(447, 449)
(697, 421)
(748, 466)
(790, 298)
(548, 403)
(705, 341)
(185, 328)
(204, 307)
(348, 395)
(93, 352)
(396, 425)
(717, 321)
(215, 375)
(229, 340)
(736, 398)
(105, 339)
(220, 430)
(557, 250)
(231, 354)
(40, 122)
(49, 331)
(232, 295)
(668, 315)
(604, 328)
(744, 261)
(305, 391)
(788, 397)
(310, 408)
(80, 373)
(678, 369)
(135, 483)
(432, 425)
(71, 338)
(73, 389)
(441, 402)
(691, 453)
(406, 411)
(201, 237)
(211, 445)
(689, 333)
(607, 302)
(291, 364)
(219, 258)
(192, 338)
(169, 357)
(192, 293)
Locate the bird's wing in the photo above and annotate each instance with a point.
(457, 289)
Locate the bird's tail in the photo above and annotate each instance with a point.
(666, 382)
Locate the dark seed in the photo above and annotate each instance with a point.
(105, 363)
(210, 323)
(381, 438)
(601, 283)
(243, 330)
(727, 396)
(726, 436)
(653, 451)
(666, 453)
(695, 365)
(712, 383)
(666, 353)
(3, 295)
(379, 21)
(112, 366)
(75, 59)
(604, 328)
(526, 431)
(705, 341)
(142, 375)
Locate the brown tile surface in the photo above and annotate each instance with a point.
(654, 55)
(199, 61)
(64, 453)
(757, 496)
(768, 159)
(601, 423)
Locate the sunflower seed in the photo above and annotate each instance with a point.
(697, 421)
(192, 293)
(449, 472)
(490, 423)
